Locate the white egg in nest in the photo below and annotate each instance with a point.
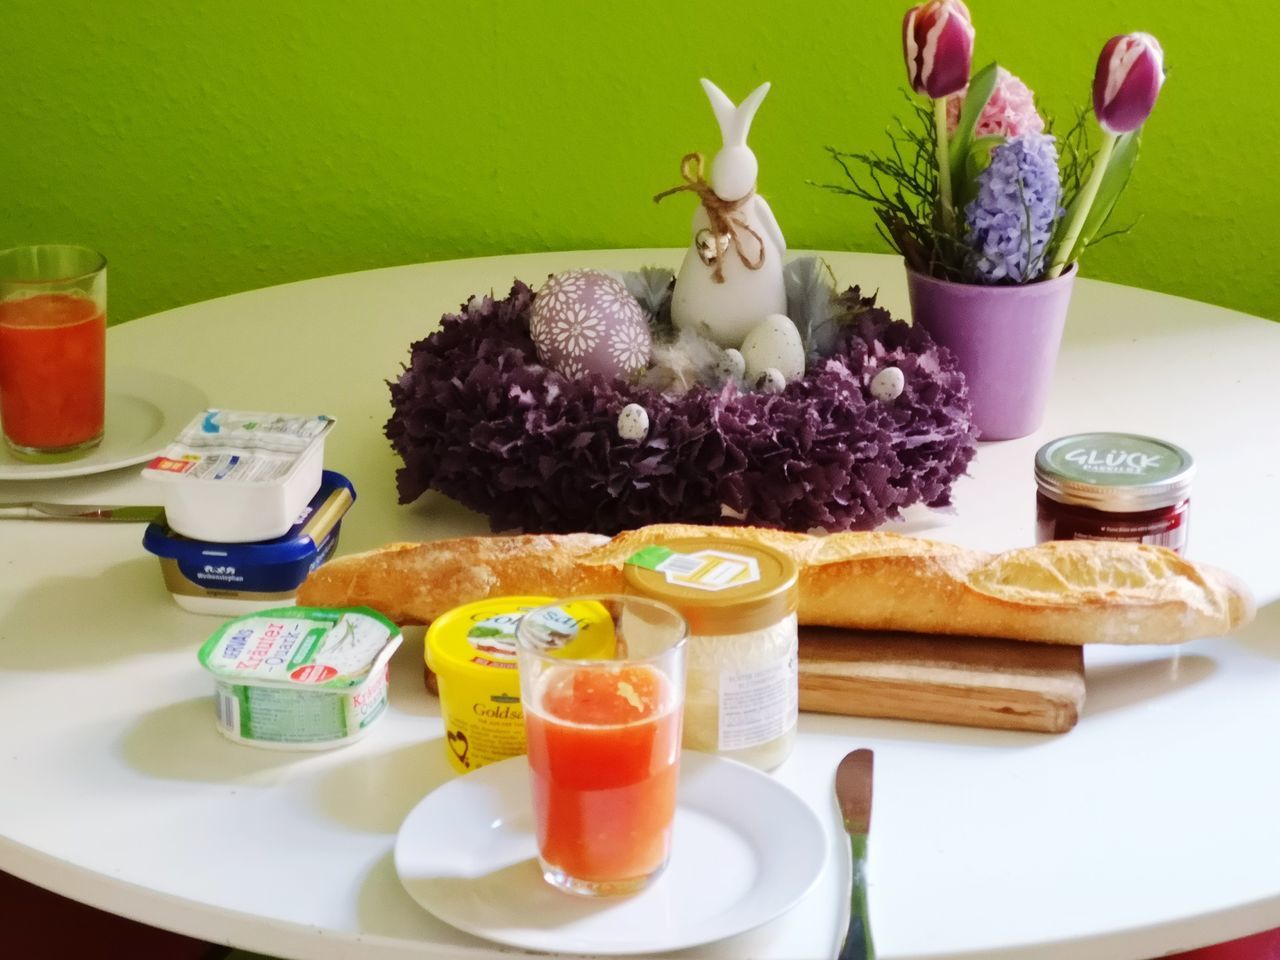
(774, 343)
(633, 422)
(731, 366)
(888, 384)
(771, 381)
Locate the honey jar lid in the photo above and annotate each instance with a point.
(1114, 472)
(482, 635)
(721, 587)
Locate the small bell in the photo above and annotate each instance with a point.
(711, 247)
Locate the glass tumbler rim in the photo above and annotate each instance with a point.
(94, 263)
(680, 643)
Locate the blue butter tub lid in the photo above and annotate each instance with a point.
(318, 518)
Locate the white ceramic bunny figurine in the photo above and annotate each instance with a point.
(732, 275)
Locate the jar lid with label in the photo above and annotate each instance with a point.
(1114, 472)
(720, 587)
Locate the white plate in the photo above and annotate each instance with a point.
(745, 849)
(145, 410)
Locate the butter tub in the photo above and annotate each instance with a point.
(235, 578)
(300, 678)
(471, 653)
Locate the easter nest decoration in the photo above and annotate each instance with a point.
(480, 419)
(742, 390)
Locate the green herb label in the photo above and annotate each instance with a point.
(651, 558)
(496, 635)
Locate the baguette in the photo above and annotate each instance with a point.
(1066, 591)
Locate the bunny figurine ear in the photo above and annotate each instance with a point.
(722, 106)
(735, 121)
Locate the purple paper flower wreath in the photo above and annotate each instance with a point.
(477, 418)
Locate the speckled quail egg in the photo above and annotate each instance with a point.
(771, 380)
(774, 343)
(888, 384)
(731, 366)
(633, 422)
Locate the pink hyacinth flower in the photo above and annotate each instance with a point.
(937, 43)
(1010, 112)
(1128, 80)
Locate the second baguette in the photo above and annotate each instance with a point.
(1071, 592)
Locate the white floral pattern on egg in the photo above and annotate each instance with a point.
(585, 321)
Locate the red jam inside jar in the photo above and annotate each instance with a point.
(1113, 486)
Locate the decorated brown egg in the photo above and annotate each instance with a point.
(585, 321)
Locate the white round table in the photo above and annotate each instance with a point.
(1150, 827)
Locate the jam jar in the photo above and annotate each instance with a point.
(1113, 486)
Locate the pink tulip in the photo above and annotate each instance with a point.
(1127, 82)
(937, 42)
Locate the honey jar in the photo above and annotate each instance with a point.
(739, 599)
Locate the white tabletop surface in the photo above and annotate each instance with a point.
(1152, 826)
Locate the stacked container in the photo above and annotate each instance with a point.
(249, 509)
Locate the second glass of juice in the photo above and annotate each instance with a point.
(53, 329)
(604, 741)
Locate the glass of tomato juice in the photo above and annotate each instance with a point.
(604, 741)
(53, 337)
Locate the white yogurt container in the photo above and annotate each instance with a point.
(237, 477)
(300, 678)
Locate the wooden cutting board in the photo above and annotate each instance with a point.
(971, 681)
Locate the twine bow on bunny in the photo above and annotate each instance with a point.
(726, 228)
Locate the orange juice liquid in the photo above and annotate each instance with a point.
(52, 370)
(604, 752)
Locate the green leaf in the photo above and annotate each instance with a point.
(1119, 168)
(981, 87)
(977, 159)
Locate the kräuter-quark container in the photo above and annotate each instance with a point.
(235, 477)
(302, 678)
(233, 578)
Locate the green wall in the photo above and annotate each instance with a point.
(208, 147)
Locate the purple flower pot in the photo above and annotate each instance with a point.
(1005, 340)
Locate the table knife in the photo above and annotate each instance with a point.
(79, 511)
(853, 794)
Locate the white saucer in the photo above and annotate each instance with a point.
(144, 412)
(745, 850)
